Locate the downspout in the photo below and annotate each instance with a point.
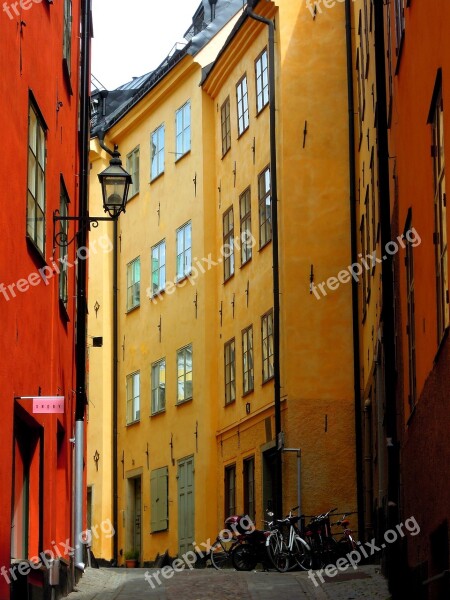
(276, 271)
(81, 308)
(115, 376)
(354, 251)
(387, 314)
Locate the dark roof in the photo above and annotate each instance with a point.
(109, 107)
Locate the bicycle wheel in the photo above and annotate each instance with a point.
(243, 557)
(278, 552)
(302, 555)
(220, 555)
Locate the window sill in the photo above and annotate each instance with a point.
(226, 153)
(157, 294)
(183, 279)
(132, 309)
(158, 413)
(181, 402)
(400, 53)
(225, 281)
(271, 378)
(177, 160)
(67, 76)
(246, 394)
(133, 196)
(441, 344)
(137, 422)
(243, 264)
(243, 132)
(227, 404)
(260, 112)
(264, 245)
(36, 251)
(156, 177)
(63, 311)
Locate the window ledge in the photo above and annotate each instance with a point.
(181, 402)
(132, 423)
(156, 177)
(177, 160)
(271, 378)
(244, 132)
(133, 196)
(225, 281)
(67, 76)
(159, 412)
(244, 264)
(265, 245)
(226, 153)
(260, 112)
(132, 309)
(227, 404)
(36, 251)
(63, 311)
(157, 294)
(246, 394)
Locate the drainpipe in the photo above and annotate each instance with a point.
(81, 308)
(276, 272)
(354, 251)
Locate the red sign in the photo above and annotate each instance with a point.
(48, 405)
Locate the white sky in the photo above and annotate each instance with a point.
(132, 37)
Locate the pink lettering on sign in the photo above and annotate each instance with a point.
(48, 405)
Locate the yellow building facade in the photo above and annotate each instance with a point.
(195, 351)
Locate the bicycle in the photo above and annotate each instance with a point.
(285, 546)
(322, 543)
(347, 543)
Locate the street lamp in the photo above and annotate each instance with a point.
(115, 182)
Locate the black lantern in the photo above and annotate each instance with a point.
(115, 182)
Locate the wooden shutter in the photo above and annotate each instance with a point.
(159, 499)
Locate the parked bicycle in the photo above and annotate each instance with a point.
(325, 548)
(220, 553)
(347, 542)
(286, 547)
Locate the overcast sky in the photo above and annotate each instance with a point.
(132, 37)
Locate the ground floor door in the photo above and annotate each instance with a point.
(186, 509)
(135, 511)
(269, 478)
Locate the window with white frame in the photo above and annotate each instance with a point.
(242, 105)
(63, 248)
(133, 283)
(158, 386)
(36, 180)
(184, 374)
(267, 345)
(157, 147)
(133, 170)
(228, 244)
(183, 130)
(184, 250)
(247, 360)
(225, 126)
(265, 208)
(440, 212)
(133, 398)
(262, 81)
(245, 209)
(67, 37)
(230, 371)
(159, 267)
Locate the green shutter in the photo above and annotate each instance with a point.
(159, 499)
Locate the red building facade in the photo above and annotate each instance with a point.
(418, 106)
(39, 174)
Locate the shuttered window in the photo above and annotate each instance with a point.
(159, 491)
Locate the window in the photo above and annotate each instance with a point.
(63, 250)
(245, 209)
(230, 372)
(265, 208)
(242, 105)
(226, 126)
(183, 130)
(159, 493)
(133, 283)
(157, 143)
(410, 327)
(230, 491)
(184, 370)
(399, 21)
(184, 250)
(36, 180)
(262, 81)
(440, 211)
(228, 244)
(133, 170)
(249, 488)
(159, 267)
(133, 398)
(267, 345)
(67, 37)
(158, 386)
(247, 359)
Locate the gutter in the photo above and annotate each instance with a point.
(354, 251)
(275, 250)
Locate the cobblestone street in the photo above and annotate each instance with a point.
(121, 584)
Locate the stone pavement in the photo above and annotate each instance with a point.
(208, 584)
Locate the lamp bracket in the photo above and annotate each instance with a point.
(60, 239)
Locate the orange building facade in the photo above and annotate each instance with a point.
(39, 91)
